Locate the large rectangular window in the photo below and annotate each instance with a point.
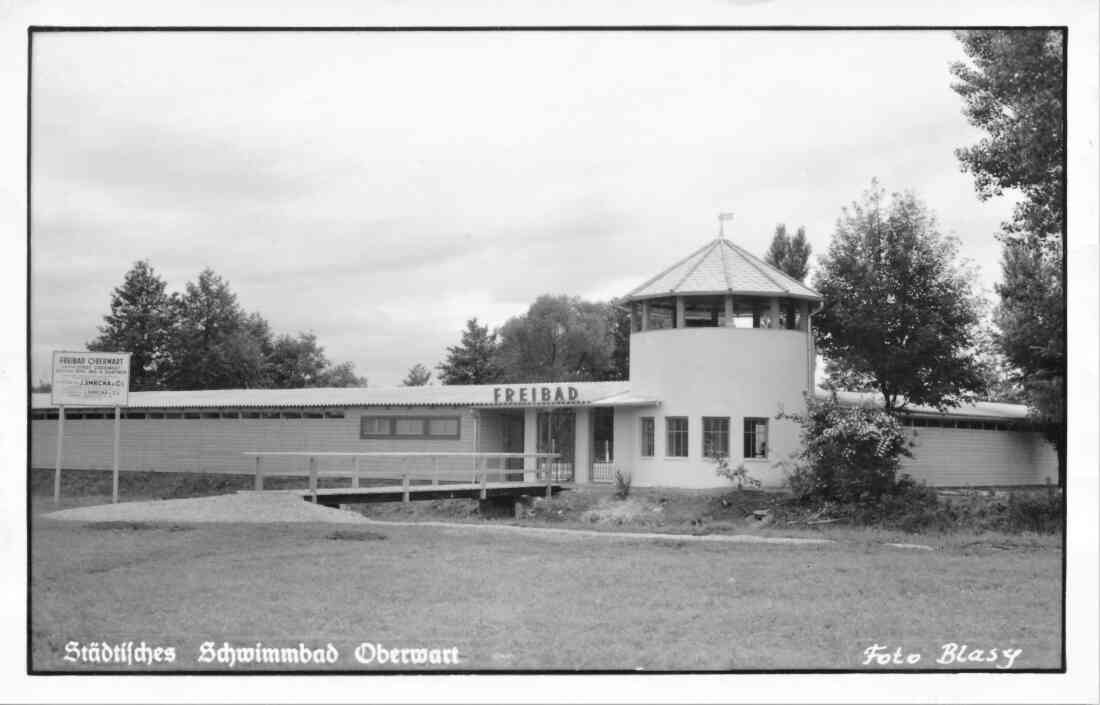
(405, 427)
(756, 437)
(648, 436)
(716, 436)
(676, 437)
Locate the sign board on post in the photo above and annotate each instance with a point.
(88, 379)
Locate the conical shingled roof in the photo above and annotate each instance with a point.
(721, 267)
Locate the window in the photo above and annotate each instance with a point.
(445, 427)
(676, 437)
(312, 415)
(334, 414)
(408, 427)
(756, 438)
(716, 436)
(704, 311)
(662, 314)
(437, 427)
(211, 415)
(231, 415)
(292, 414)
(648, 436)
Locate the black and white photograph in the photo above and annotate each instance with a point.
(498, 348)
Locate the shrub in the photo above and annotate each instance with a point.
(739, 476)
(849, 455)
(622, 484)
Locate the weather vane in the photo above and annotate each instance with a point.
(722, 218)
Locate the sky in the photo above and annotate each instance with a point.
(379, 189)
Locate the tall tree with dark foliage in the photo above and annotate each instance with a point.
(139, 322)
(790, 255)
(1012, 89)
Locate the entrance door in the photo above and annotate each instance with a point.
(556, 434)
(603, 444)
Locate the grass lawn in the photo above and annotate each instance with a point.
(512, 601)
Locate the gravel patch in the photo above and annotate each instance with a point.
(251, 507)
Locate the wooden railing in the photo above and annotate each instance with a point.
(545, 470)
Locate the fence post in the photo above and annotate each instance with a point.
(313, 478)
(355, 476)
(405, 488)
(549, 479)
(435, 469)
(484, 478)
(259, 474)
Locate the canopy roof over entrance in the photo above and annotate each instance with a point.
(721, 267)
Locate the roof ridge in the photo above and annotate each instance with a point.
(702, 256)
(663, 272)
(725, 268)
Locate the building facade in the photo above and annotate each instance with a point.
(720, 344)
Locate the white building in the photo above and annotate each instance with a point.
(720, 343)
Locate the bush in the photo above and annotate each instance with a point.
(849, 455)
(622, 484)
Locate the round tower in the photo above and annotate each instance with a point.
(723, 340)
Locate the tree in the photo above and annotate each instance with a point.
(214, 344)
(296, 362)
(897, 309)
(1013, 91)
(342, 375)
(138, 323)
(790, 255)
(418, 376)
(42, 387)
(473, 360)
(559, 339)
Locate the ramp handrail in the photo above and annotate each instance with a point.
(480, 473)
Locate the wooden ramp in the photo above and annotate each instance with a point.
(335, 496)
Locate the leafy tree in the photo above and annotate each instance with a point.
(418, 376)
(473, 360)
(560, 338)
(296, 362)
(898, 310)
(1013, 91)
(139, 322)
(790, 255)
(342, 375)
(214, 344)
(42, 387)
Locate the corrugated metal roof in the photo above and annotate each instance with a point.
(721, 267)
(977, 410)
(446, 395)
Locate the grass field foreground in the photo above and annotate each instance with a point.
(509, 601)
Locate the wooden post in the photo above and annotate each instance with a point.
(114, 469)
(313, 478)
(405, 488)
(355, 476)
(549, 479)
(60, 446)
(679, 312)
(484, 482)
(259, 482)
(435, 469)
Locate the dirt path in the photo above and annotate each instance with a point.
(249, 507)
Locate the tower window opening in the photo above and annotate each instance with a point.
(704, 311)
(748, 313)
(662, 314)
